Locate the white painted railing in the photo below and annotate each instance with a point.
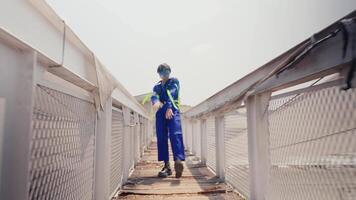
(283, 133)
(68, 130)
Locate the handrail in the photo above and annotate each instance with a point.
(260, 79)
(79, 68)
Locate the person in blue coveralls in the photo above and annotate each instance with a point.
(165, 98)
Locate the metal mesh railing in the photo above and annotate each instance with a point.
(150, 130)
(236, 151)
(132, 149)
(189, 135)
(313, 145)
(117, 150)
(196, 138)
(142, 136)
(211, 144)
(62, 147)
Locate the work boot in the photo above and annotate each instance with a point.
(166, 171)
(178, 167)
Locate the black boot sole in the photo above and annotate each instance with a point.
(178, 167)
(164, 175)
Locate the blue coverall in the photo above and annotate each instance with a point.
(168, 127)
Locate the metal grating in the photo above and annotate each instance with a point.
(62, 147)
(236, 151)
(117, 137)
(313, 146)
(211, 143)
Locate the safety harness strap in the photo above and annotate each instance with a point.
(175, 103)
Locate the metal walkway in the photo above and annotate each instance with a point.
(197, 182)
(70, 131)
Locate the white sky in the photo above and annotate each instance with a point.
(208, 43)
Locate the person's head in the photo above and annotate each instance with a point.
(164, 71)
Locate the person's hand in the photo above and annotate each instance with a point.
(157, 105)
(169, 113)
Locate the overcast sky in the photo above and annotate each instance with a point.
(208, 43)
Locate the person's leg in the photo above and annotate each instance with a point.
(162, 144)
(176, 139)
(162, 137)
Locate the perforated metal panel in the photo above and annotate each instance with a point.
(117, 151)
(236, 151)
(189, 135)
(197, 139)
(211, 143)
(62, 147)
(313, 146)
(184, 132)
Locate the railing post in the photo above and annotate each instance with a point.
(258, 144)
(17, 75)
(127, 143)
(103, 152)
(186, 130)
(150, 131)
(204, 141)
(197, 135)
(2, 119)
(187, 135)
(136, 139)
(193, 147)
(220, 147)
(147, 132)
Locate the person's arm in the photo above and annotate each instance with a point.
(172, 92)
(155, 97)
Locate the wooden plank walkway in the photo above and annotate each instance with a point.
(197, 182)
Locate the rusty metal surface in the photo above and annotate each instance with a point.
(197, 182)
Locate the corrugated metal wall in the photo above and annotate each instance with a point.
(62, 147)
